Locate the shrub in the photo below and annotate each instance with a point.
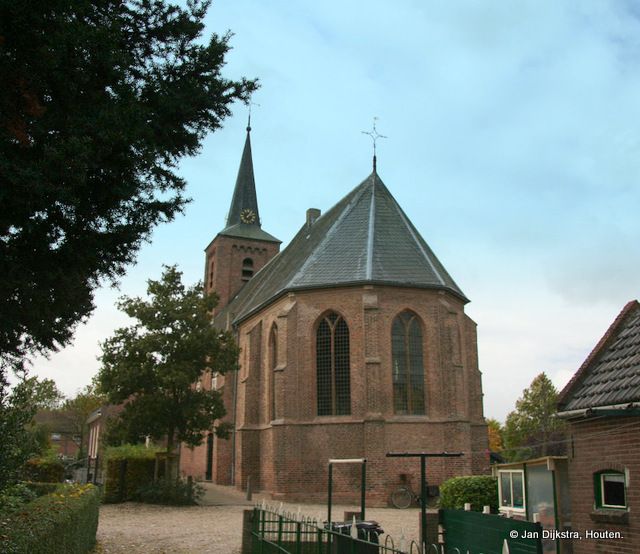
(479, 490)
(172, 492)
(64, 522)
(43, 470)
(129, 467)
(14, 497)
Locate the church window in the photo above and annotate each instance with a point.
(332, 363)
(211, 267)
(407, 364)
(273, 362)
(247, 269)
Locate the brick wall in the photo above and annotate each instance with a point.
(224, 263)
(288, 456)
(596, 445)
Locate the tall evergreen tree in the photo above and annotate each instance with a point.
(99, 102)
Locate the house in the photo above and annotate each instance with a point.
(63, 434)
(602, 405)
(538, 491)
(97, 426)
(354, 343)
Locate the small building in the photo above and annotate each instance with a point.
(62, 433)
(537, 491)
(97, 425)
(602, 405)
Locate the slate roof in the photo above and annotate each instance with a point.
(364, 238)
(244, 197)
(610, 375)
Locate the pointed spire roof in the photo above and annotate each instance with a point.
(365, 238)
(243, 219)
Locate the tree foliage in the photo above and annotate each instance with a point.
(532, 430)
(100, 101)
(494, 428)
(21, 439)
(152, 365)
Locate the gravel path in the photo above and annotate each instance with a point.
(140, 528)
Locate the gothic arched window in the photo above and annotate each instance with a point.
(273, 362)
(332, 364)
(407, 365)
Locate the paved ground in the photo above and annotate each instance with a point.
(214, 528)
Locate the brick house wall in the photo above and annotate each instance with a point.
(616, 441)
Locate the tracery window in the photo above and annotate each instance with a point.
(333, 368)
(407, 364)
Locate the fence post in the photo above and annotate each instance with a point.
(298, 537)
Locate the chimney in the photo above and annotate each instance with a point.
(312, 215)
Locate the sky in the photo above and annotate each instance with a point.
(513, 147)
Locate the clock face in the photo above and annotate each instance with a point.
(247, 215)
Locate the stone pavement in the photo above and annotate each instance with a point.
(220, 495)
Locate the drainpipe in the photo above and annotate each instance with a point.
(234, 418)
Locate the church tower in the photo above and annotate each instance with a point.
(242, 248)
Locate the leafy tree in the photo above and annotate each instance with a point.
(532, 430)
(78, 409)
(21, 439)
(152, 365)
(100, 101)
(494, 429)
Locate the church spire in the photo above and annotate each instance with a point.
(244, 205)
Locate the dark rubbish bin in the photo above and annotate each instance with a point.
(367, 531)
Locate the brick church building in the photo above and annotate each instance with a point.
(354, 343)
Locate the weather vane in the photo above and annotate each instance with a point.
(374, 136)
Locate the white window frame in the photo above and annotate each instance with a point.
(624, 482)
(511, 508)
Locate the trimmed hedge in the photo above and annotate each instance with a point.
(129, 468)
(64, 522)
(43, 470)
(479, 490)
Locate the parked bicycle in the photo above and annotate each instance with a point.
(403, 497)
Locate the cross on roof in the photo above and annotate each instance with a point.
(374, 136)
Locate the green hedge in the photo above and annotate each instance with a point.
(64, 522)
(129, 468)
(479, 490)
(43, 470)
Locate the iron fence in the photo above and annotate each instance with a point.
(278, 532)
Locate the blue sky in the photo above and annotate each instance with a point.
(513, 146)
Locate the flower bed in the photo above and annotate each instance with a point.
(63, 522)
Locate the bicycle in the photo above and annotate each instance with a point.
(403, 496)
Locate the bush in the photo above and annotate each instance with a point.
(64, 522)
(479, 490)
(129, 467)
(14, 497)
(43, 470)
(170, 492)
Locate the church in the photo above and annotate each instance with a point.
(353, 343)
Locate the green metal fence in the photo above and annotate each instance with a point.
(474, 532)
(277, 532)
